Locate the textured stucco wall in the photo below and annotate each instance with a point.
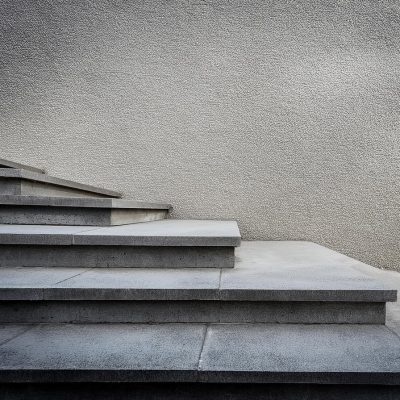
(284, 115)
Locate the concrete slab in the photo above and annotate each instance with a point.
(198, 233)
(390, 279)
(23, 187)
(301, 353)
(165, 233)
(194, 391)
(37, 278)
(191, 311)
(24, 182)
(220, 353)
(38, 234)
(93, 349)
(264, 271)
(42, 215)
(9, 332)
(143, 284)
(12, 164)
(298, 271)
(81, 202)
(31, 283)
(116, 256)
(77, 211)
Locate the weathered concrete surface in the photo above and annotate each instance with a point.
(296, 270)
(156, 233)
(192, 311)
(283, 115)
(77, 216)
(18, 187)
(126, 347)
(84, 202)
(392, 279)
(264, 271)
(285, 282)
(174, 244)
(165, 233)
(264, 353)
(323, 354)
(195, 391)
(116, 256)
(24, 182)
(42, 210)
(12, 164)
(9, 332)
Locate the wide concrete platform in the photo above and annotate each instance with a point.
(157, 244)
(32, 183)
(219, 353)
(285, 282)
(85, 211)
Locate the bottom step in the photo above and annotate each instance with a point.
(195, 391)
(214, 353)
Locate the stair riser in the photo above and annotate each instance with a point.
(77, 375)
(116, 256)
(37, 215)
(16, 186)
(195, 391)
(191, 312)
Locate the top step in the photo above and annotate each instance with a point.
(29, 183)
(15, 165)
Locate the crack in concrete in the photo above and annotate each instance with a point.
(18, 334)
(202, 347)
(73, 276)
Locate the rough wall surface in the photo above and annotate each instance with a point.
(284, 115)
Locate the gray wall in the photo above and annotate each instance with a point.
(284, 115)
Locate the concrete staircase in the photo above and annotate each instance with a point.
(181, 312)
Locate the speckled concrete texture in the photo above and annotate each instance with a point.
(283, 115)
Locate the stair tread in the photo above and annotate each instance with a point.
(154, 233)
(40, 177)
(83, 202)
(200, 352)
(264, 271)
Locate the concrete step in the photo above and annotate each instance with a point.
(33, 183)
(157, 244)
(278, 282)
(195, 391)
(212, 353)
(86, 211)
(11, 164)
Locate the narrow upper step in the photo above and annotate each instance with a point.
(15, 165)
(85, 211)
(156, 233)
(220, 353)
(42, 184)
(80, 202)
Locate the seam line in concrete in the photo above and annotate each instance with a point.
(219, 283)
(393, 331)
(73, 276)
(202, 348)
(83, 231)
(18, 334)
